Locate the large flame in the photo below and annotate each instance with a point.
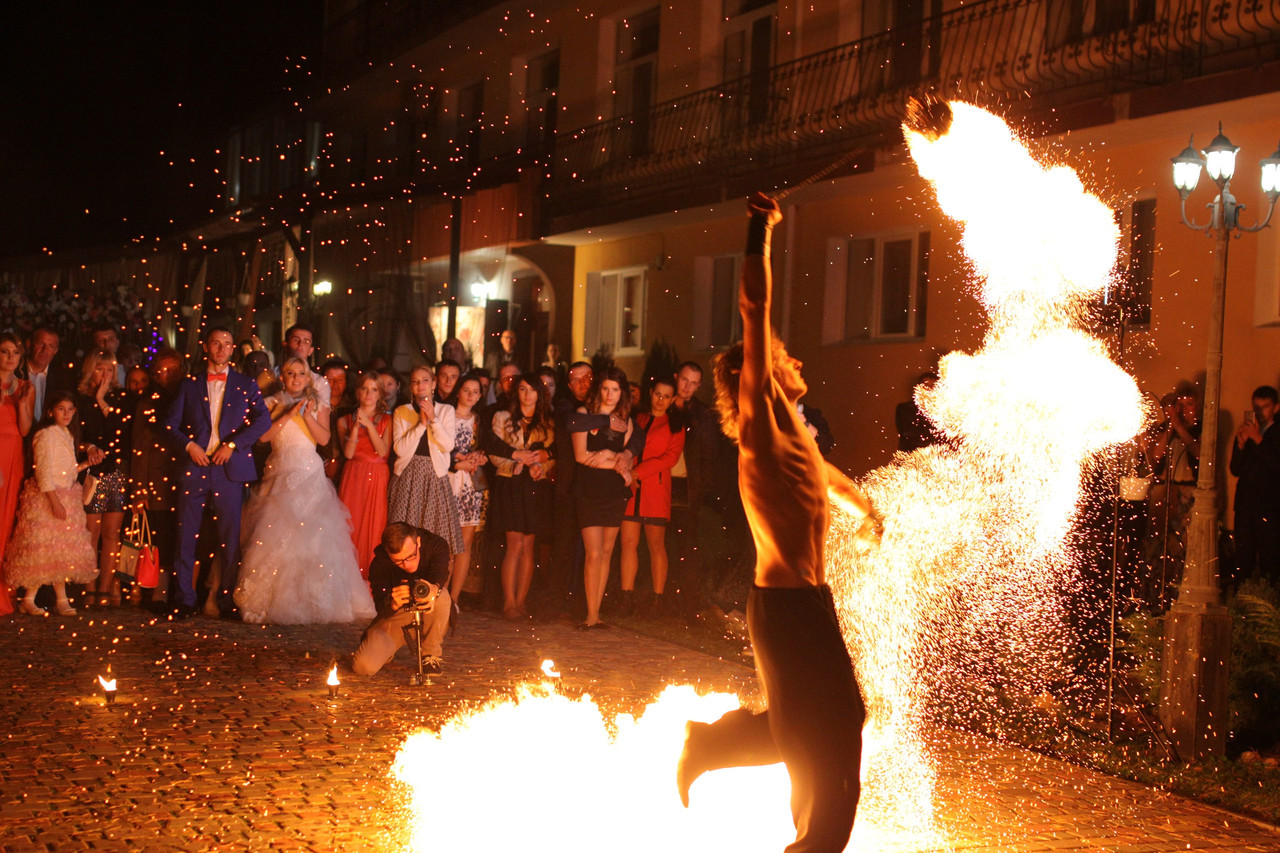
(958, 612)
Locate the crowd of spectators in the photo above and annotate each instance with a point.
(527, 480)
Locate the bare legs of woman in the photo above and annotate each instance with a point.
(655, 538)
(104, 531)
(598, 544)
(517, 574)
(630, 553)
(461, 565)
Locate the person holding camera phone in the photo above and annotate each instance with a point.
(409, 573)
(1255, 461)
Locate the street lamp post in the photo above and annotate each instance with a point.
(1197, 636)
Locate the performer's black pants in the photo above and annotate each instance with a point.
(814, 721)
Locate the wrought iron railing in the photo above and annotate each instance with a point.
(994, 51)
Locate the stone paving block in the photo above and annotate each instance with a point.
(223, 738)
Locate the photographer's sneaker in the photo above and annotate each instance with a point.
(432, 665)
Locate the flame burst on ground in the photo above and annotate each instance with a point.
(958, 612)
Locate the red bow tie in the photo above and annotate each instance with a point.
(217, 377)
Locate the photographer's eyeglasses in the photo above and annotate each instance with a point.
(403, 561)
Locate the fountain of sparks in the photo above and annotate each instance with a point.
(959, 611)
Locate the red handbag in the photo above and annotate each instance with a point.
(149, 559)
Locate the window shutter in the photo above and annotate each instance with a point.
(833, 294)
(703, 271)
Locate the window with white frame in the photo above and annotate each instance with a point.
(615, 313)
(716, 319)
(747, 59)
(542, 83)
(635, 79)
(875, 288)
(635, 65)
(470, 120)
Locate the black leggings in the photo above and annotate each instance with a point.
(814, 721)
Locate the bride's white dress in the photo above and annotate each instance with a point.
(299, 563)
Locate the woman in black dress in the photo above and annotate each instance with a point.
(602, 482)
(521, 450)
(105, 416)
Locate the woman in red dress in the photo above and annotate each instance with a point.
(16, 400)
(650, 505)
(365, 444)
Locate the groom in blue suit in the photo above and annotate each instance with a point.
(216, 417)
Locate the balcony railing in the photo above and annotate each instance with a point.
(993, 51)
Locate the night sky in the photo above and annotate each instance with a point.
(91, 93)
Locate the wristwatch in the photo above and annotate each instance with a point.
(230, 444)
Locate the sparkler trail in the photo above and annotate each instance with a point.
(959, 611)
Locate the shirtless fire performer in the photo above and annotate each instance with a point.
(815, 712)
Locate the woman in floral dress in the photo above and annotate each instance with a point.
(466, 477)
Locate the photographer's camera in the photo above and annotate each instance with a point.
(422, 596)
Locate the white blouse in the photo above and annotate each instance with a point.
(407, 430)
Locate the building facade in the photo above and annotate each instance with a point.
(576, 171)
(601, 152)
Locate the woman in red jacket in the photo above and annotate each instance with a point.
(650, 505)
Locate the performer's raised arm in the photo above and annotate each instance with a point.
(755, 302)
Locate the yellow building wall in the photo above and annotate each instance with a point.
(858, 385)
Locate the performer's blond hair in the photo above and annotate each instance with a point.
(726, 368)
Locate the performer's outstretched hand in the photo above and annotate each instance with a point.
(868, 533)
(758, 202)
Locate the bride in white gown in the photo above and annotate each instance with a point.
(299, 564)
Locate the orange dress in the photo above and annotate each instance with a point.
(364, 491)
(11, 465)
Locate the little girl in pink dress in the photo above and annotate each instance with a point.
(51, 543)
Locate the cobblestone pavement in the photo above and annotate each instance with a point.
(223, 737)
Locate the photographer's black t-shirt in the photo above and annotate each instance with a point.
(433, 566)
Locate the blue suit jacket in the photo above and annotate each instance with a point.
(243, 420)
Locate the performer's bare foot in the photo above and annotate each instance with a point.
(690, 766)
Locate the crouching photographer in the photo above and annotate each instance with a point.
(409, 578)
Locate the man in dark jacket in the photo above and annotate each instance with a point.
(407, 554)
(1255, 460)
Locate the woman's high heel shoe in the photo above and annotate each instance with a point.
(30, 608)
(64, 608)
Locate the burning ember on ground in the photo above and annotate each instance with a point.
(333, 682)
(108, 685)
(958, 615)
